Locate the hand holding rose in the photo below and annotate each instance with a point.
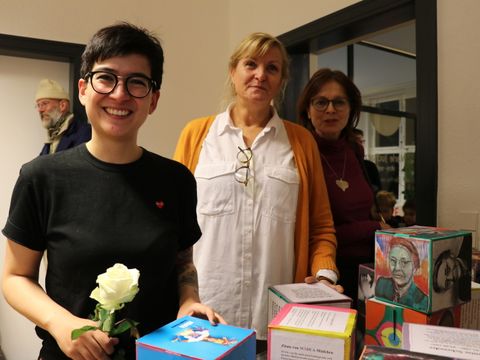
(117, 286)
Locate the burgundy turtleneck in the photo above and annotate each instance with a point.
(350, 208)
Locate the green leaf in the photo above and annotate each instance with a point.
(79, 332)
(123, 326)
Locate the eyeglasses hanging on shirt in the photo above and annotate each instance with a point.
(242, 172)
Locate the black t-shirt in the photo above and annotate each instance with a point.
(89, 215)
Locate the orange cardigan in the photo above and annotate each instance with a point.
(315, 242)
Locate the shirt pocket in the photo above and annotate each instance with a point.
(281, 193)
(215, 189)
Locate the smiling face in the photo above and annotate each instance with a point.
(330, 122)
(118, 115)
(258, 80)
(401, 265)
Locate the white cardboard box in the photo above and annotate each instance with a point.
(470, 312)
(441, 340)
(302, 331)
(302, 293)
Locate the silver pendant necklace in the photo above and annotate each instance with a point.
(340, 182)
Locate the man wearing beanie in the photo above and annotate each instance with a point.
(63, 130)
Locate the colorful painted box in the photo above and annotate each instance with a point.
(423, 268)
(302, 293)
(302, 331)
(193, 338)
(384, 321)
(366, 285)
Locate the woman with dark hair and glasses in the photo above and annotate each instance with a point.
(329, 107)
(262, 202)
(105, 202)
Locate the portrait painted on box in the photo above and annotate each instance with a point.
(451, 271)
(401, 271)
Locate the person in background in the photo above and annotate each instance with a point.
(409, 212)
(104, 202)
(262, 202)
(370, 167)
(64, 131)
(330, 107)
(386, 206)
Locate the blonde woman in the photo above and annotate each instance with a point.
(262, 202)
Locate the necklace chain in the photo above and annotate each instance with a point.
(340, 182)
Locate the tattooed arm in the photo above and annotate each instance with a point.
(188, 289)
(187, 276)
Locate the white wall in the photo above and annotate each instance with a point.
(459, 109)
(197, 36)
(22, 138)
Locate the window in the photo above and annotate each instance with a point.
(360, 28)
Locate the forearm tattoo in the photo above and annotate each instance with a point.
(187, 274)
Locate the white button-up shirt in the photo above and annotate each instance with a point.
(248, 230)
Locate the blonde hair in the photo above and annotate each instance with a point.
(255, 45)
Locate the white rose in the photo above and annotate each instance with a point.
(118, 285)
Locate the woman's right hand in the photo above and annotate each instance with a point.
(92, 345)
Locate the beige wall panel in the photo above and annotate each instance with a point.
(459, 109)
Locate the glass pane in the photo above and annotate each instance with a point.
(387, 165)
(335, 59)
(409, 169)
(389, 105)
(378, 73)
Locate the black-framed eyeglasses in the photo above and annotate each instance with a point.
(242, 173)
(104, 82)
(321, 104)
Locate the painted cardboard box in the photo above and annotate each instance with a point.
(366, 285)
(423, 268)
(302, 293)
(302, 331)
(384, 321)
(193, 338)
(366, 290)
